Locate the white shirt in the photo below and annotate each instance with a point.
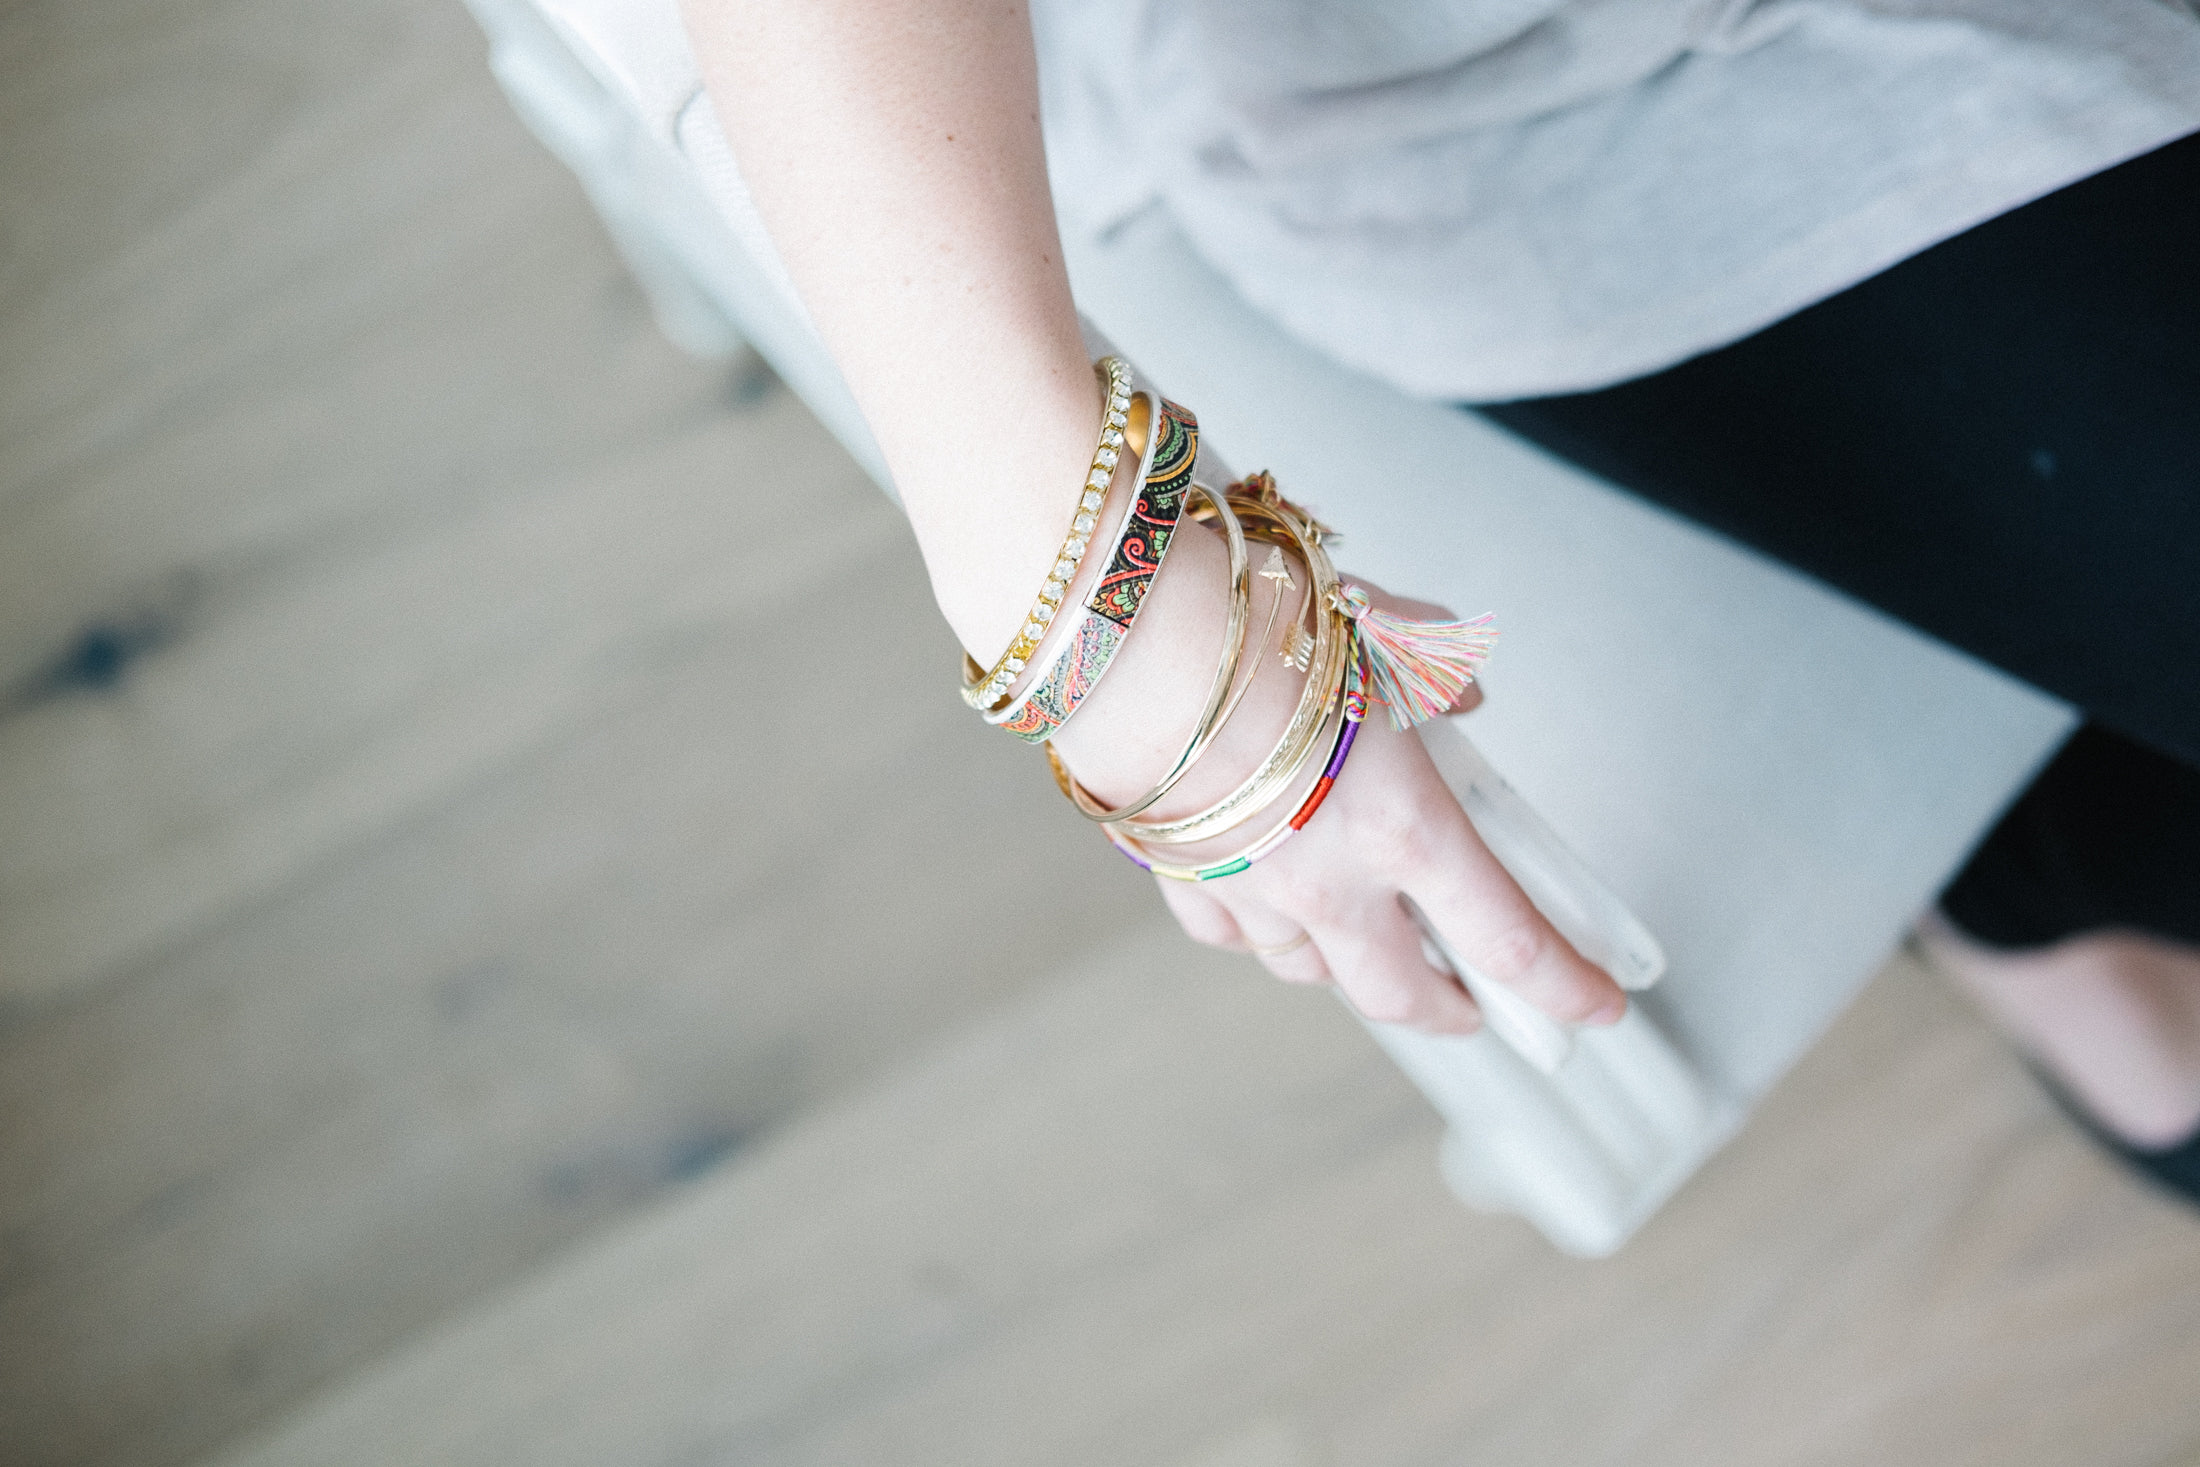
(1490, 199)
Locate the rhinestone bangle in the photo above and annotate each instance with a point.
(991, 689)
(1084, 651)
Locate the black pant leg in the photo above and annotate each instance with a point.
(2107, 836)
(1997, 440)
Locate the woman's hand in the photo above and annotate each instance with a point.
(1328, 906)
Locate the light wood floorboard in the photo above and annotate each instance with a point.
(408, 862)
(1166, 1214)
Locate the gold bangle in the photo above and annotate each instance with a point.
(1350, 717)
(1324, 664)
(988, 691)
(1165, 437)
(1212, 717)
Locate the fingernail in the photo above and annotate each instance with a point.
(1611, 1013)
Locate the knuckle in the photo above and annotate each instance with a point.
(1316, 903)
(1511, 951)
(1205, 925)
(1396, 835)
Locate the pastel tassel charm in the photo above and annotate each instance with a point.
(1416, 669)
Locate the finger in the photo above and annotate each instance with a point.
(1383, 969)
(1203, 919)
(1490, 923)
(1296, 962)
(1281, 942)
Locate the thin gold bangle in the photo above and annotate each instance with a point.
(1212, 717)
(1350, 717)
(987, 691)
(1287, 760)
(1302, 737)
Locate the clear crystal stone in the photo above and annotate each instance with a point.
(1063, 570)
(1092, 499)
(1043, 613)
(1113, 438)
(1106, 458)
(1084, 523)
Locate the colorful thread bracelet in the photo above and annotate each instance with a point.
(1148, 527)
(1348, 732)
(988, 688)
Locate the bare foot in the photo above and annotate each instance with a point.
(2114, 1017)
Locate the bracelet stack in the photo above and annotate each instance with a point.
(1348, 653)
(989, 687)
(1141, 540)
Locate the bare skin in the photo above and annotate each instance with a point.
(893, 149)
(2114, 1017)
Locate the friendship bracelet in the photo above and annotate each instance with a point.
(1348, 732)
(1078, 662)
(1212, 717)
(988, 688)
(1332, 644)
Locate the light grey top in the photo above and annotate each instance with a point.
(1486, 199)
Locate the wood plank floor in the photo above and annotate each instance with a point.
(414, 906)
(1163, 1214)
(404, 866)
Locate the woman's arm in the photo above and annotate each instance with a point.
(893, 149)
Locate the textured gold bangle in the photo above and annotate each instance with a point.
(991, 689)
(1212, 717)
(1351, 716)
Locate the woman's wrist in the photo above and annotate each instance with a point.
(991, 525)
(1133, 726)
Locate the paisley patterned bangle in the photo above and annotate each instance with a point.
(1141, 541)
(987, 689)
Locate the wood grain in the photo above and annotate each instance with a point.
(410, 856)
(1165, 1214)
